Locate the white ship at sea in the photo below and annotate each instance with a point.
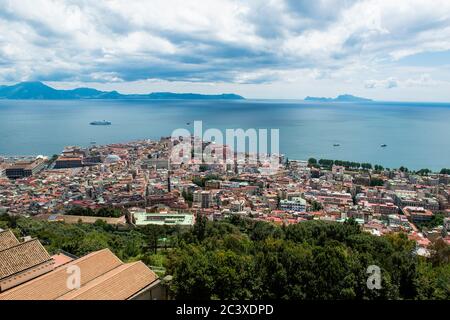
(101, 123)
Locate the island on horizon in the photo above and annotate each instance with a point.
(40, 91)
(340, 98)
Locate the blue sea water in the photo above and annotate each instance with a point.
(417, 134)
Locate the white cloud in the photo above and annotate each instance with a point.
(423, 80)
(222, 41)
(386, 83)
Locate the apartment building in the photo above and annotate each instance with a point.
(203, 198)
(297, 204)
(22, 169)
(417, 214)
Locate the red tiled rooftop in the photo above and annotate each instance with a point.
(61, 259)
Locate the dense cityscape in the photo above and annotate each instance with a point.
(138, 177)
(125, 187)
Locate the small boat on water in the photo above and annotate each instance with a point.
(336, 145)
(384, 145)
(188, 123)
(100, 123)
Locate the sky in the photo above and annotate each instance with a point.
(276, 49)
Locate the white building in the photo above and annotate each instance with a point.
(297, 204)
(447, 224)
(237, 205)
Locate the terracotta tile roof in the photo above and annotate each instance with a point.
(61, 259)
(103, 276)
(21, 257)
(7, 240)
(54, 284)
(118, 284)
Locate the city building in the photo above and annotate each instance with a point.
(380, 208)
(337, 169)
(3, 167)
(22, 169)
(417, 214)
(202, 198)
(237, 205)
(157, 163)
(447, 224)
(407, 198)
(212, 184)
(65, 162)
(297, 204)
(142, 218)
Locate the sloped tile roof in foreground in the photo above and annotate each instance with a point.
(103, 277)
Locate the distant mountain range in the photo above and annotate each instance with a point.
(40, 91)
(341, 98)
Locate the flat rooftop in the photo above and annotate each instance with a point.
(25, 164)
(144, 218)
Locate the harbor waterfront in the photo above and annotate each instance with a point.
(127, 203)
(415, 135)
(136, 184)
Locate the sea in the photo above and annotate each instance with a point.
(417, 135)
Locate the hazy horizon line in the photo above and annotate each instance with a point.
(87, 86)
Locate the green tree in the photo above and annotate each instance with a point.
(200, 227)
(262, 230)
(316, 206)
(366, 166)
(374, 181)
(153, 233)
(92, 241)
(440, 253)
(423, 172)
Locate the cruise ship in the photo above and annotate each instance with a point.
(101, 123)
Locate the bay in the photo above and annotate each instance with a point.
(417, 134)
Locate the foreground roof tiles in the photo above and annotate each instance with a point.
(7, 240)
(118, 284)
(61, 259)
(21, 257)
(103, 276)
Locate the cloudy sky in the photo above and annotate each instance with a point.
(382, 49)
